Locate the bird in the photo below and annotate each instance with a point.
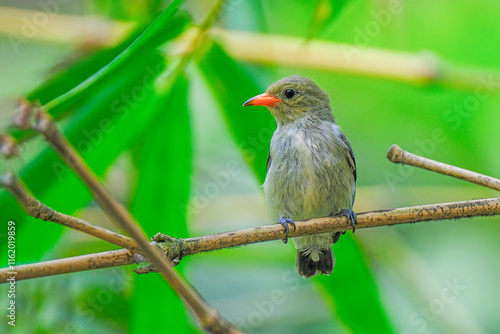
(311, 169)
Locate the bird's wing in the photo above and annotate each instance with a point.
(268, 161)
(350, 154)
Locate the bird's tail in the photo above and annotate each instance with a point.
(307, 267)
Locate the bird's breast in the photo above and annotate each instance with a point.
(303, 179)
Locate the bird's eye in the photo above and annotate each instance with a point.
(289, 93)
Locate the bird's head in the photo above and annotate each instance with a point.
(292, 98)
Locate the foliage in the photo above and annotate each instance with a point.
(166, 154)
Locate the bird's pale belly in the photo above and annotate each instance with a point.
(305, 191)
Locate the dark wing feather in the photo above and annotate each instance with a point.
(268, 162)
(350, 155)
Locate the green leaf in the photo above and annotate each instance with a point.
(71, 85)
(163, 161)
(325, 12)
(142, 45)
(127, 9)
(120, 91)
(352, 286)
(101, 132)
(232, 86)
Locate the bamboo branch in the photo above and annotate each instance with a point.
(74, 264)
(412, 68)
(209, 317)
(454, 210)
(397, 155)
(62, 28)
(39, 210)
(177, 248)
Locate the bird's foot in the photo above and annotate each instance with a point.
(351, 217)
(285, 222)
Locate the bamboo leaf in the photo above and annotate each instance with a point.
(325, 12)
(74, 84)
(139, 46)
(116, 96)
(352, 288)
(163, 161)
(231, 85)
(100, 131)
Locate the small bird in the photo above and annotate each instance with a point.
(311, 171)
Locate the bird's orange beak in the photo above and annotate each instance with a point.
(261, 100)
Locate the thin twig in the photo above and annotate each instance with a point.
(177, 248)
(63, 28)
(412, 68)
(409, 67)
(397, 155)
(39, 210)
(74, 264)
(209, 317)
(482, 207)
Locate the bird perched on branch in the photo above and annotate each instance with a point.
(311, 171)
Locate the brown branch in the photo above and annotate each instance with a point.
(397, 155)
(209, 317)
(74, 264)
(465, 209)
(177, 248)
(39, 210)
(413, 68)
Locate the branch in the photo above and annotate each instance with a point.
(414, 214)
(64, 28)
(411, 68)
(39, 210)
(74, 264)
(209, 317)
(397, 155)
(177, 248)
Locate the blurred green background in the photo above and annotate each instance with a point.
(172, 141)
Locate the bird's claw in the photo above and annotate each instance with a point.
(351, 217)
(285, 222)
